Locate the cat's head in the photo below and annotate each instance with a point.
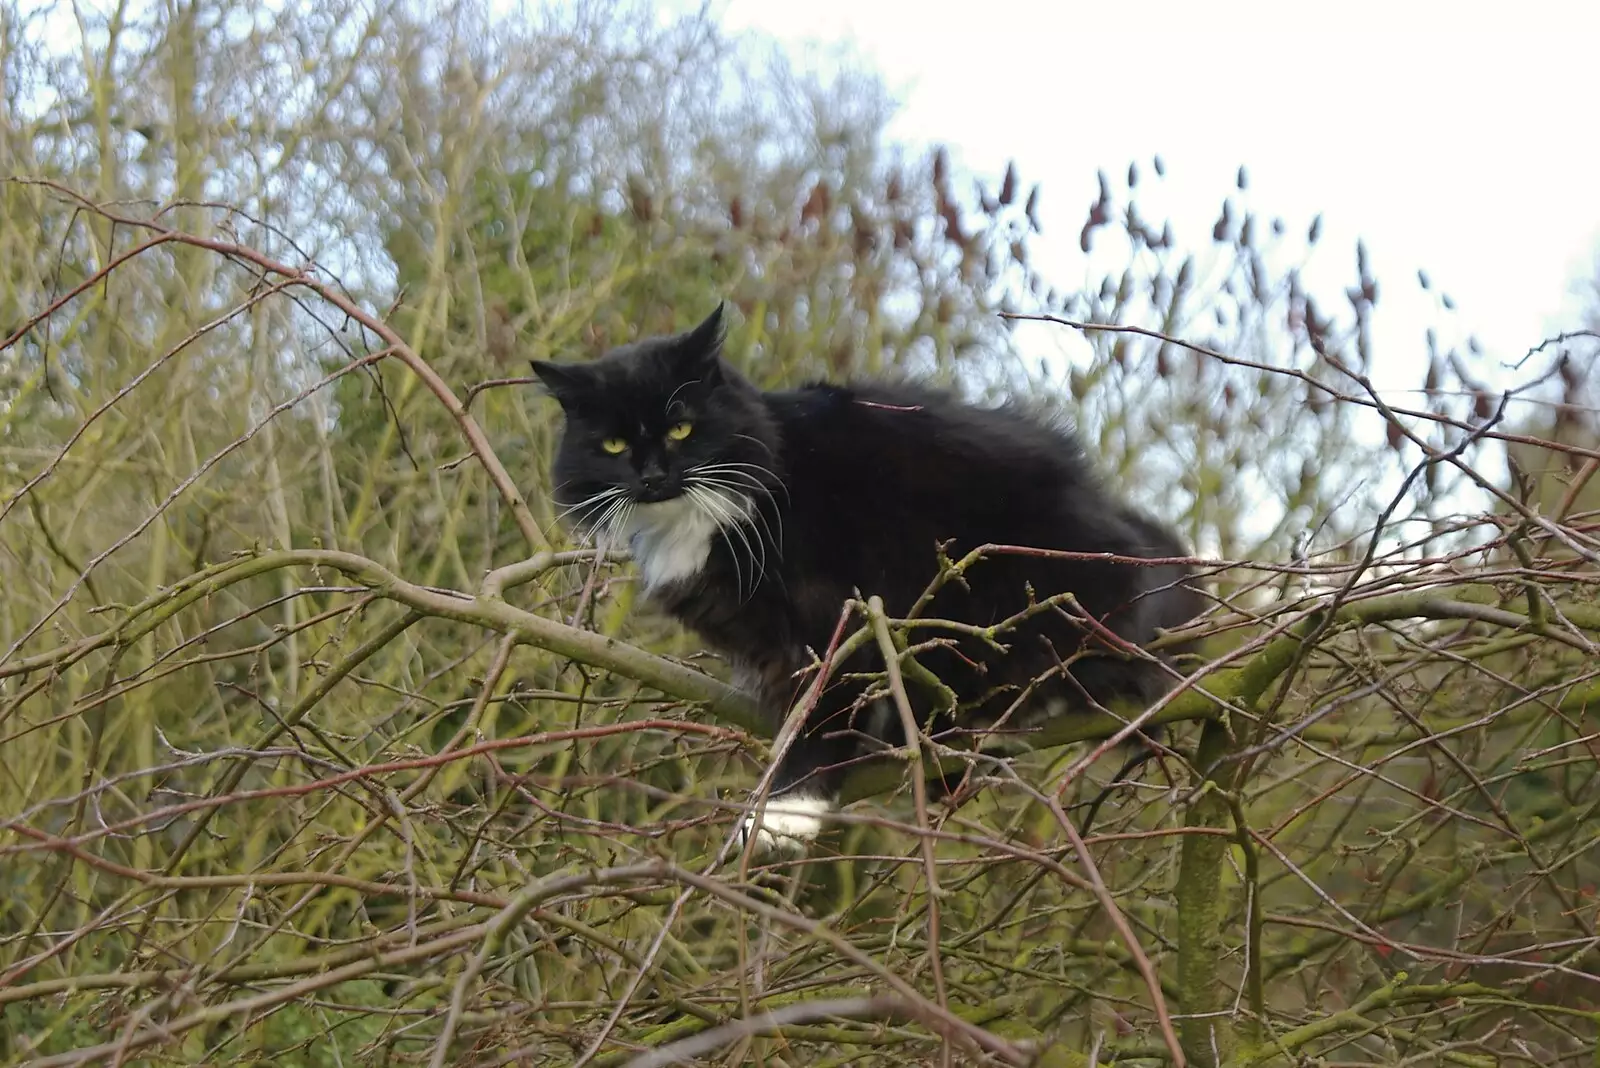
(664, 419)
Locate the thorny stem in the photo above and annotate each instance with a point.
(919, 788)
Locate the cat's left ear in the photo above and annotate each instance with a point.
(563, 381)
(701, 348)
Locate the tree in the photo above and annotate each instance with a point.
(322, 747)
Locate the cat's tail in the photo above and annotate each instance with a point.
(1169, 598)
(1146, 752)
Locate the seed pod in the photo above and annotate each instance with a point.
(1219, 232)
(1008, 186)
(816, 205)
(639, 199)
(1186, 274)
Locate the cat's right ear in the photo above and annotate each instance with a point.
(705, 340)
(566, 382)
(695, 355)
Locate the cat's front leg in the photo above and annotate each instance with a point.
(804, 788)
(786, 826)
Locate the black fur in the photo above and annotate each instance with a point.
(853, 488)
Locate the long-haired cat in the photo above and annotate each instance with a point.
(754, 517)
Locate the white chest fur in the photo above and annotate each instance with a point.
(670, 540)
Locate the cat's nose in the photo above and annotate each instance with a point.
(655, 485)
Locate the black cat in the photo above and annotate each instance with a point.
(753, 517)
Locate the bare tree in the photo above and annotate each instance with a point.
(321, 747)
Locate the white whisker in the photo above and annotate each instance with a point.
(674, 396)
(592, 501)
(732, 490)
(754, 440)
(719, 517)
(751, 513)
(753, 472)
(621, 523)
(731, 520)
(609, 522)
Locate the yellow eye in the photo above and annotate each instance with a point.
(679, 431)
(614, 446)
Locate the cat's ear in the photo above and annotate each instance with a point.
(566, 382)
(698, 352)
(707, 337)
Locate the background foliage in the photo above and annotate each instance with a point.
(319, 748)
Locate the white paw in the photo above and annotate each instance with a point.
(787, 826)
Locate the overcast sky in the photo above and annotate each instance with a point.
(1449, 139)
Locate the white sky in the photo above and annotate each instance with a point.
(1449, 138)
(1460, 138)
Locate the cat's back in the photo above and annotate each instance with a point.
(910, 430)
(879, 473)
